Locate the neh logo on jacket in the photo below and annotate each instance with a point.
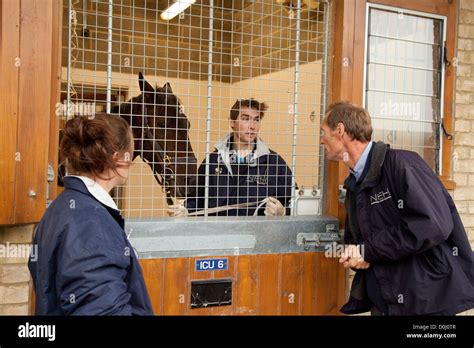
(380, 197)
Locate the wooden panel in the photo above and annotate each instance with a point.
(230, 273)
(310, 281)
(197, 275)
(9, 51)
(291, 284)
(154, 279)
(359, 49)
(175, 282)
(269, 284)
(430, 6)
(341, 88)
(34, 109)
(245, 294)
(329, 284)
(449, 91)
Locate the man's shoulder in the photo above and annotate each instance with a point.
(399, 161)
(400, 157)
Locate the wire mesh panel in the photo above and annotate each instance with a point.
(175, 80)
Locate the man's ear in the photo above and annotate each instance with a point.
(340, 129)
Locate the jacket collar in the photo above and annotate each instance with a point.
(223, 149)
(376, 163)
(377, 158)
(76, 184)
(97, 191)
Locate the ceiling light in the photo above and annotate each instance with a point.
(175, 9)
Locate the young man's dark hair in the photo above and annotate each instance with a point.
(247, 103)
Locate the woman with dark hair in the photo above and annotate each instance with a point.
(85, 264)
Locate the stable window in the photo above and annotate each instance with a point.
(404, 79)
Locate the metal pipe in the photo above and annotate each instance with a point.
(324, 98)
(84, 16)
(295, 103)
(209, 104)
(109, 57)
(69, 42)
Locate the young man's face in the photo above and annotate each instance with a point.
(332, 141)
(246, 126)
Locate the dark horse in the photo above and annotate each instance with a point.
(160, 130)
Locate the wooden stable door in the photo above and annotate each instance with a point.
(29, 89)
(305, 283)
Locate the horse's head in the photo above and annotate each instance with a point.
(165, 130)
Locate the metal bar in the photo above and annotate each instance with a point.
(403, 66)
(209, 104)
(109, 57)
(84, 15)
(295, 102)
(324, 98)
(401, 39)
(402, 119)
(441, 106)
(404, 93)
(69, 42)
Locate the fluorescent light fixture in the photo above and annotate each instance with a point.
(175, 9)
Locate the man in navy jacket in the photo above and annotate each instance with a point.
(243, 171)
(403, 234)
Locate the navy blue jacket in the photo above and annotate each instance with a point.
(413, 238)
(85, 265)
(265, 174)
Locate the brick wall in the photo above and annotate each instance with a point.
(14, 274)
(463, 158)
(463, 165)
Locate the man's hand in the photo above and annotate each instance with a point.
(352, 258)
(177, 210)
(274, 207)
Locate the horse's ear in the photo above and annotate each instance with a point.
(144, 85)
(167, 88)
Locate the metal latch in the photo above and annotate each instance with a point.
(49, 179)
(308, 240)
(342, 193)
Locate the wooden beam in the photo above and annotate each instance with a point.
(34, 98)
(9, 72)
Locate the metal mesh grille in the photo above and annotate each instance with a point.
(211, 54)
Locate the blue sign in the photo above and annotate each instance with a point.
(212, 265)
